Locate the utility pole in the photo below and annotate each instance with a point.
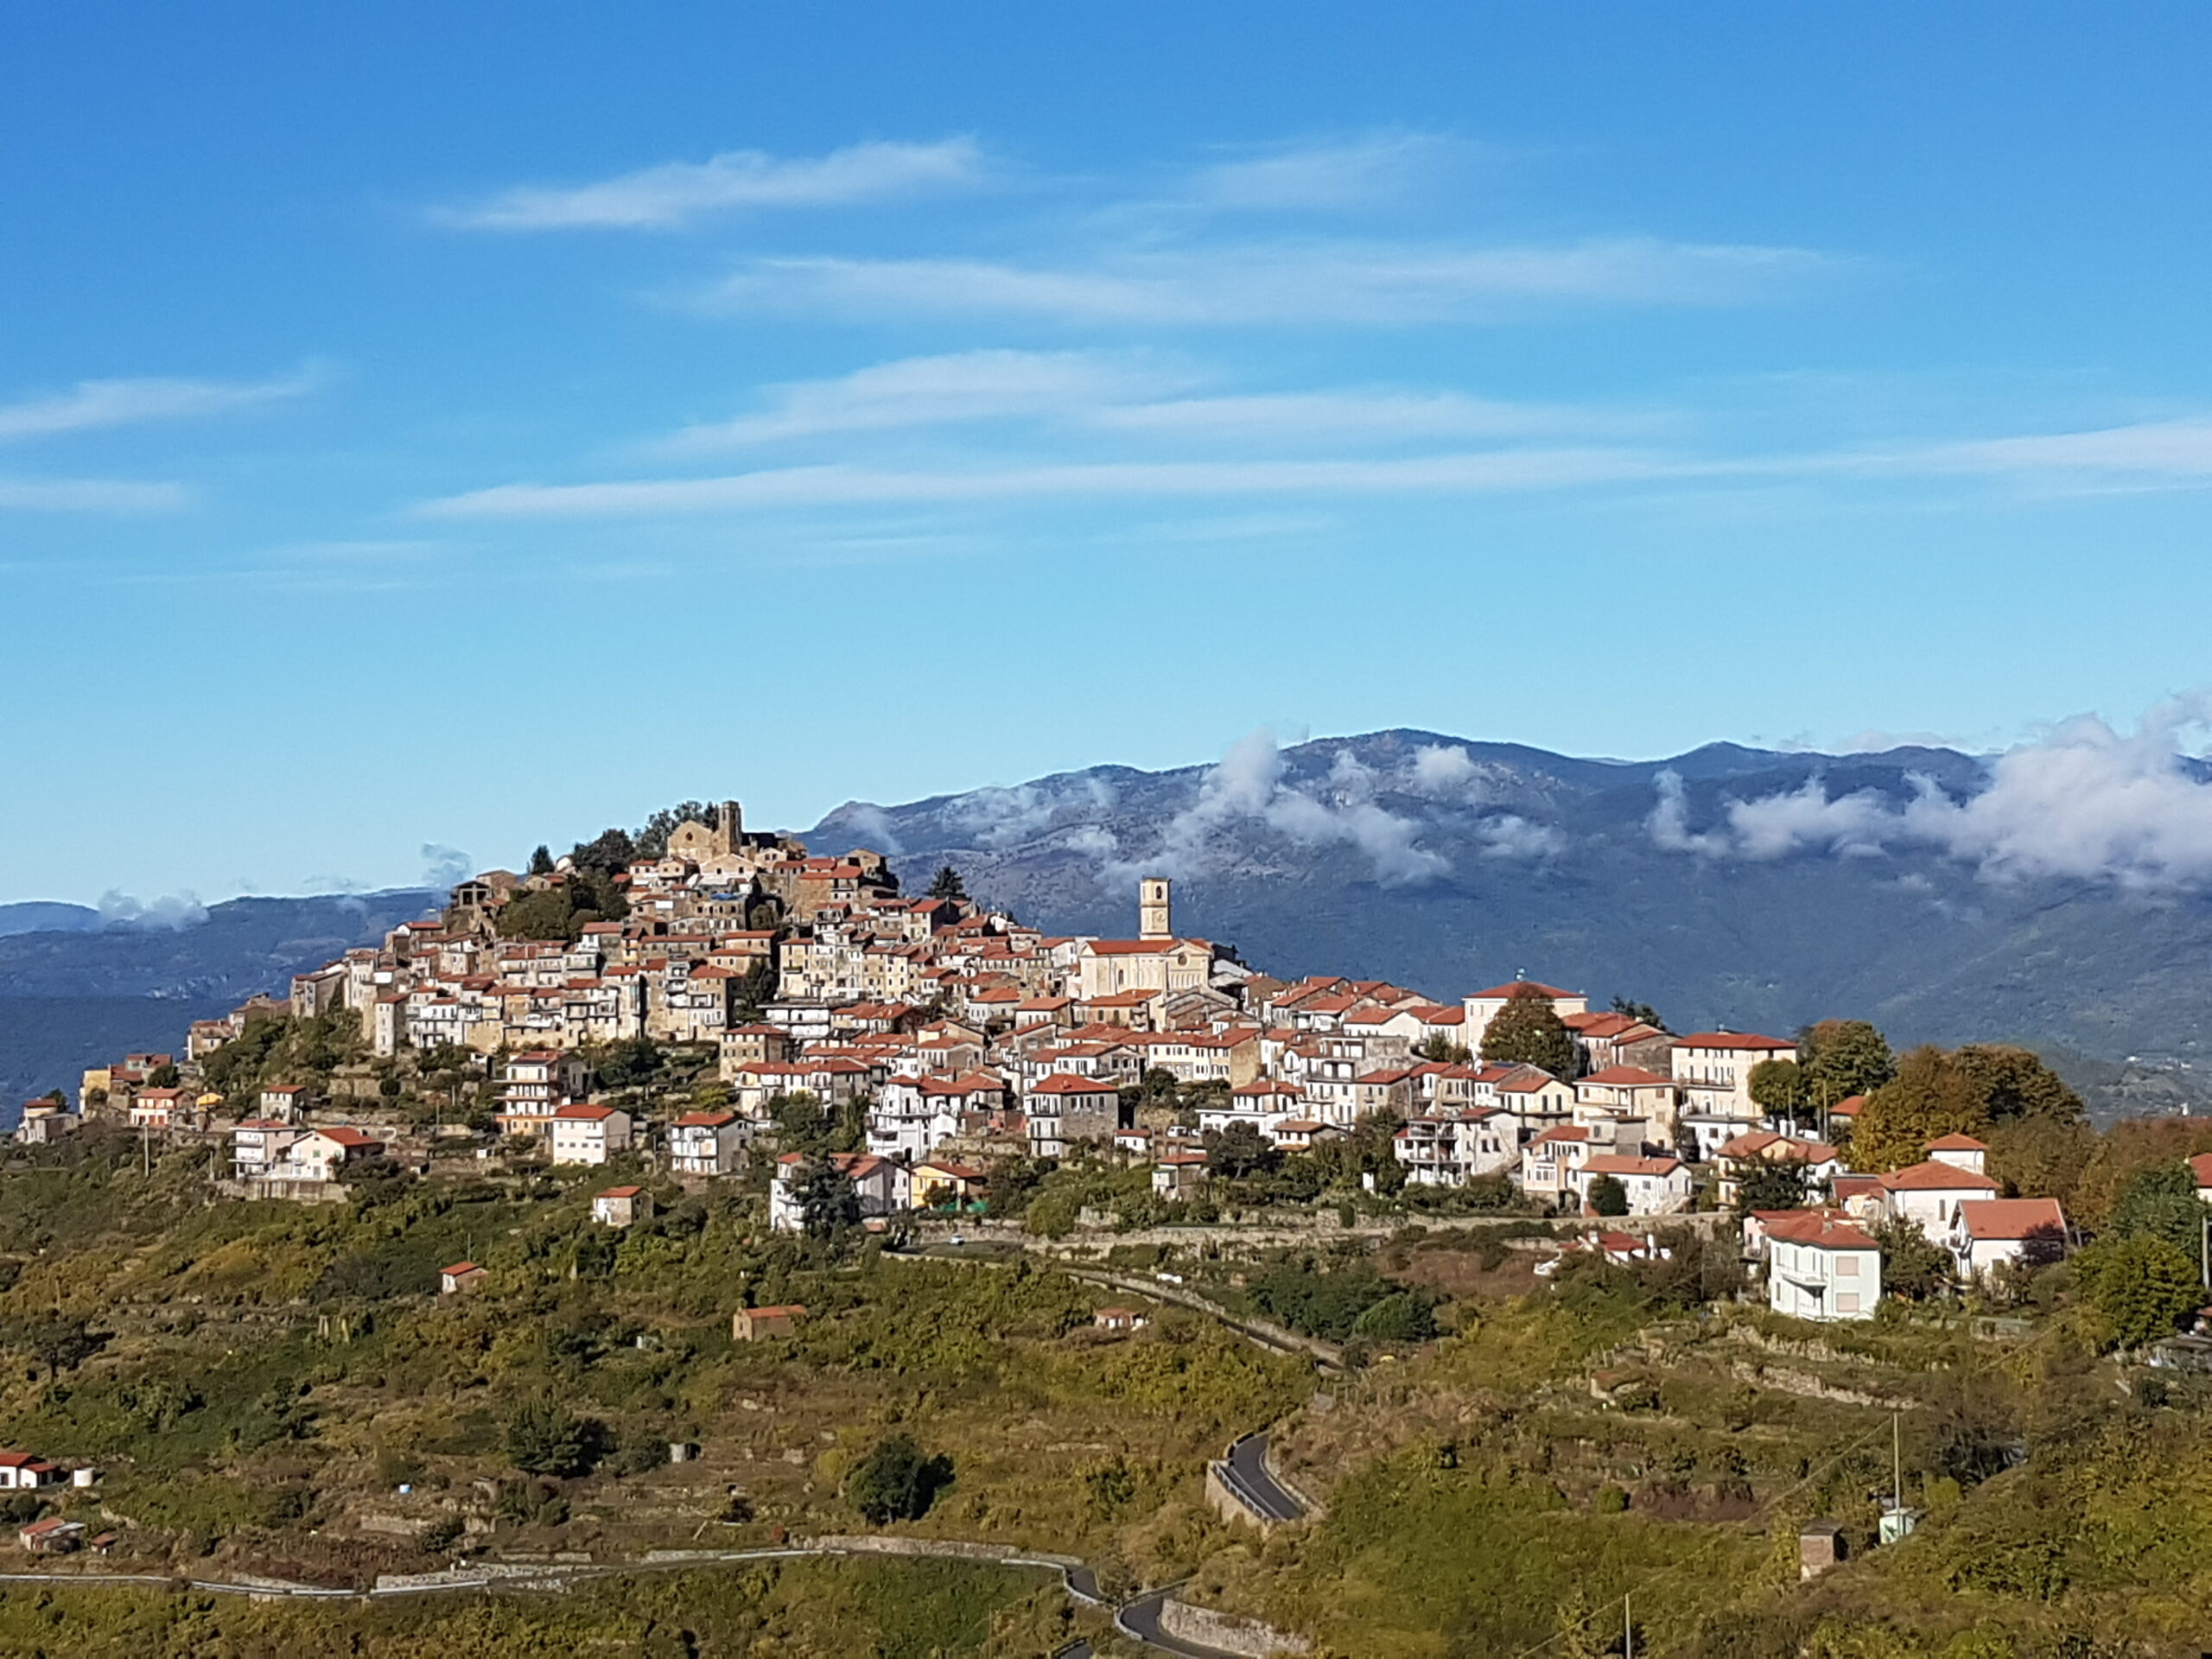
(2204, 1251)
(1897, 1462)
(1628, 1631)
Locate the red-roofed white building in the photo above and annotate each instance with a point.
(319, 1154)
(1928, 1195)
(1655, 1186)
(1451, 1146)
(707, 1143)
(1819, 1266)
(588, 1134)
(1991, 1233)
(1065, 1109)
(1713, 1069)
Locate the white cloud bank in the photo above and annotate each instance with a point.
(1246, 785)
(673, 194)
(2085, 802)
(173, 910)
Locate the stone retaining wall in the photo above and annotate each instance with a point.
(1206, 1628)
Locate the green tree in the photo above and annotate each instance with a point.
(828, 1204)
(652, 837)
(1771, 1185)
(2014, 1083)
(1608, 1196)
(2160, 1202)
(1930, 1098)
(947, 884)
(1845, 1058)
(2143, 1287)
(896, 1480)
(165, 1076)
(756, 989)
(541, 862)
(2041, 1157)
(1912, 1266)
(57, 1341)
(1527, 1031)
(1442, 1051)
(544, 1438)
(1643, 1011)
(1240, 1151)
(609, 852)
(1404, 1316)
(548, 915)
(1779, 1088)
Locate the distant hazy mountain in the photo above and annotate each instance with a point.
(1726, 887)
(1920, 888)
(72, 997)
(38, 916)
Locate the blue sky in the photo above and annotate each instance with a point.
(467, 426)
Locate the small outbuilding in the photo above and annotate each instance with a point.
(752, 1324)
(460, 1277)
(619, 1206)
(52, 1536)
(1819, 1547)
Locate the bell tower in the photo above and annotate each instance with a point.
(1154, 919)
(730, 827)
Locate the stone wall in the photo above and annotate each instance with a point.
(1206, 1628)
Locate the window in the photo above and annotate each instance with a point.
(1847, 1302)
(1847, 1266)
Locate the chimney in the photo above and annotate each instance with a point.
(1154, 920)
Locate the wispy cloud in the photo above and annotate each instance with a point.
(1357, 172)
(91, 495)
(959, 386)
(1123, 392)
(1357, 416)
(1336, 282)
(94, 404)
(1497, 471)
(2179, 448)
(677, 193)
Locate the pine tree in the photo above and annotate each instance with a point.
(1527, 1031)
(947, 884)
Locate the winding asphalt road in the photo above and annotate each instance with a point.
(1245, 1474)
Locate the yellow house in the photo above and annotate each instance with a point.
(942, 1181)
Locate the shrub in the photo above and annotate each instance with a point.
(442, 1535)
(544, 1438)
(1404, 1316)
(896, 1480)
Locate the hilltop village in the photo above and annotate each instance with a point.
(790, 997)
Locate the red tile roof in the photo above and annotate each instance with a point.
(1933, 1177)
(2013, 1218)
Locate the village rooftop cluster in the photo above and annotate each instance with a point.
(966, 1038)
